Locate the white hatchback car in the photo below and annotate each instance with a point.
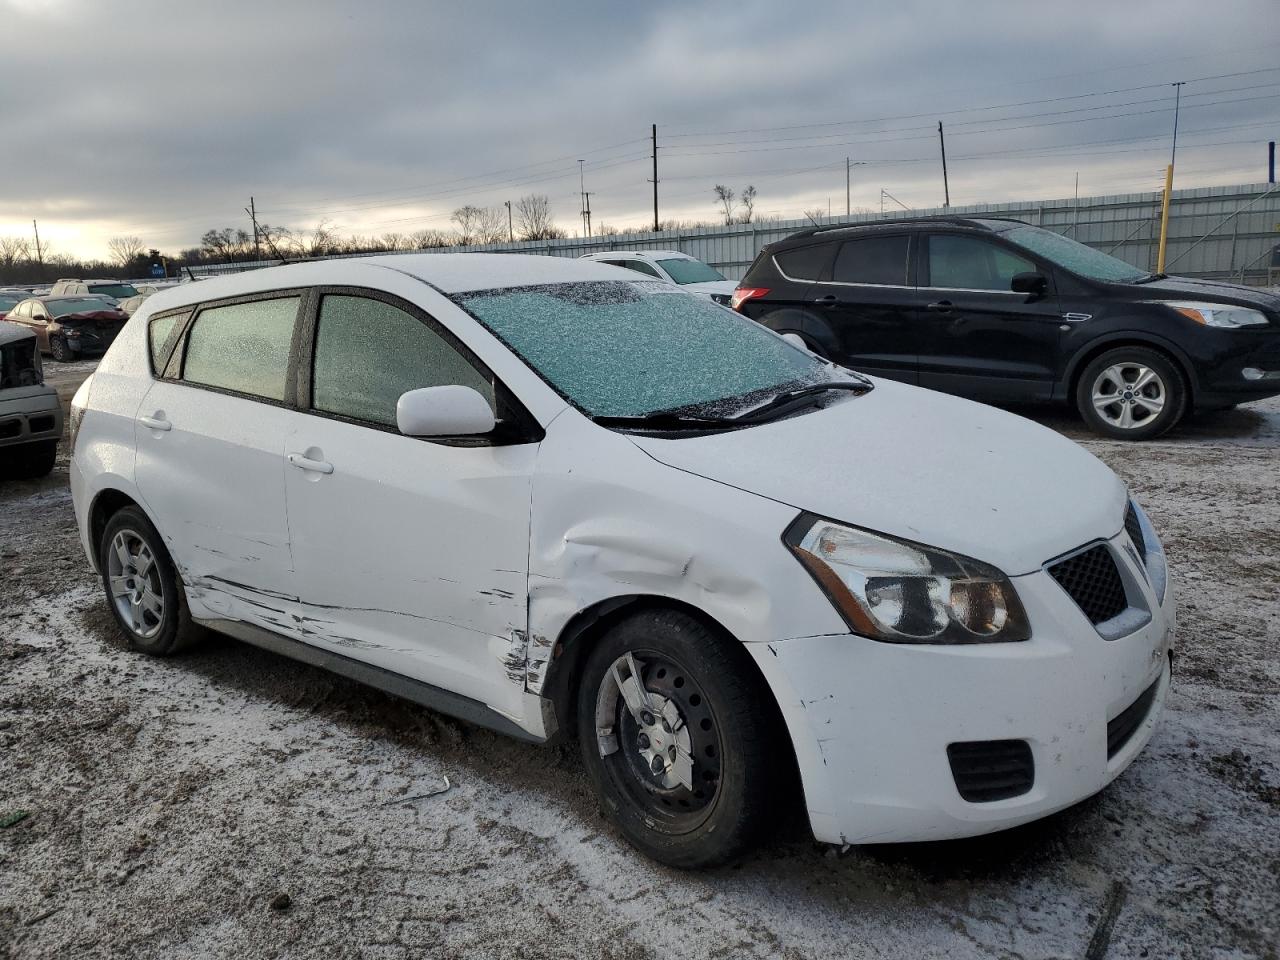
(550, 496)
(685, 271)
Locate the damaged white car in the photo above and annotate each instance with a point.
(551, 497)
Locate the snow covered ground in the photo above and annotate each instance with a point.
(170, 804)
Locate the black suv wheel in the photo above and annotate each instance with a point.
(1131, 393)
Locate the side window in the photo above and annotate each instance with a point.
(879, 260)
(806, 263)
(369, 352)
(639, 266)
(243, 347)
(971, 263)
(22, 309)
(161, 331)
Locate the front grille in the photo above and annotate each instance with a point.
(1133, 527)
(40, 424)
(10, 428)
(1093, 582)
(989, 770)
(1123, 727)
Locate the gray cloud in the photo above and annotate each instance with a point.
(161, 119)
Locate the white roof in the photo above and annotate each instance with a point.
(654, 254)
(13, 332)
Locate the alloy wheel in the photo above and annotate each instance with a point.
(134, 579)
(1129, 396)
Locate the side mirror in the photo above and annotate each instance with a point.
(1032, 284)
(450, 411)
(795, 340)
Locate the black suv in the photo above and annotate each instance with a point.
(1003, 311)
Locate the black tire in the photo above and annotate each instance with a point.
(1132, 415)
(32, 460)
(734, 733)
(173, 631)
(60, 350)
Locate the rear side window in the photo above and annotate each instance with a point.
(369, 352)
(806, 263)
(639, 266)
(243, 347)
(879, 260)
(162, 331)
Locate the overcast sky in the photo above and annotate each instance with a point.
(160, 119)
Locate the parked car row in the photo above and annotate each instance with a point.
(69, 327)
(567, 499)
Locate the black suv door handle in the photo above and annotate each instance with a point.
(830, 300)
(941, 306)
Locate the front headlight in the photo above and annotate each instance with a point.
(1147, 541)
(902, 592)
(1220, 315)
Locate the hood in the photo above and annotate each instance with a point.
(711, 286)
(13, 332)
(1186, 288)
(110, 314)
(922, 466)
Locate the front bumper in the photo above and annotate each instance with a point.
(36, 415)
(871, 722)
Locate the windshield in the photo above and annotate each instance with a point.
(118, 290)
(628, 349)
(60, 308)
(1073, 255)
(684, 270)
(8, 302)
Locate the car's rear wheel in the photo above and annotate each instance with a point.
(679, 739)
(142, 586)
(1131, 393)
(61, 350)
(31, 460)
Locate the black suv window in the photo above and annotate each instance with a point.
(807, 263)
(369, 352)
(243, 347)
(959, 262)
(879, 260)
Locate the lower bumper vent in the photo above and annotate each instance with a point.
(989, 770)
(1121, 730)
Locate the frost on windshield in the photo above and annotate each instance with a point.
(1074, 255)
(632, 348)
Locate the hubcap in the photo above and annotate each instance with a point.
(660, 737)
(134, 582)
(1129, 395)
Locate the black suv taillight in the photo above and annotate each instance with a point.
(743, 294)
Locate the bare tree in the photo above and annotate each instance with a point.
(427, 239)
(228, 244)
(395, 241)
(480, 224)
(467, 220)
(816, 215)
(13, 250)
(124, 249)
(533, 214)
(748, 203)
(324, 239)
(724, 197)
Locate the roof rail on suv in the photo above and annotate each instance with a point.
(978, 223)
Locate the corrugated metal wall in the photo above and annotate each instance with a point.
(1225, 232)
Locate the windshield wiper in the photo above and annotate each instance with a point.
(1151, 278)
(666, 420)
(788, 397)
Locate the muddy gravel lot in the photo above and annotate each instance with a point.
(231, 803)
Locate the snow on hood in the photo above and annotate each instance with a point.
(13, 332)
(923, 466)
(709, 287)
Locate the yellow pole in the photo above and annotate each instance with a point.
(1164, 217)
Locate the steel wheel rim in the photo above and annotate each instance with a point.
(1129, 395)
(675, 726)
(133, 579)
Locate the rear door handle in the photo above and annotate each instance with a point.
(311, 466)
(941, 306)
(830, 300)
(156, 423)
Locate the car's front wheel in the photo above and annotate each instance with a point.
(680, 739)
(142, 586)
(61, 350)
(1131, 393)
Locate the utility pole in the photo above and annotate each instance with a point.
(655, 178)
(39, 253)
(252, 211)
(848, 208)
(511, 233)
(946, 188)
(586, 210)
(1177, 103)
(582, 199)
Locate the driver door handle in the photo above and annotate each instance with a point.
(941, 306)
(311, 466)
(155, 423)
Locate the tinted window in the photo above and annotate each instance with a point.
(368, 353)
(684, 270)
(619, 348)
(118, 290)
(873, 260)
(807, 263)
(161, 331)
(639, 266)
(971, 263)
(242, 347)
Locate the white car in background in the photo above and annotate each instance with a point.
(689, 273)
(548, 495)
